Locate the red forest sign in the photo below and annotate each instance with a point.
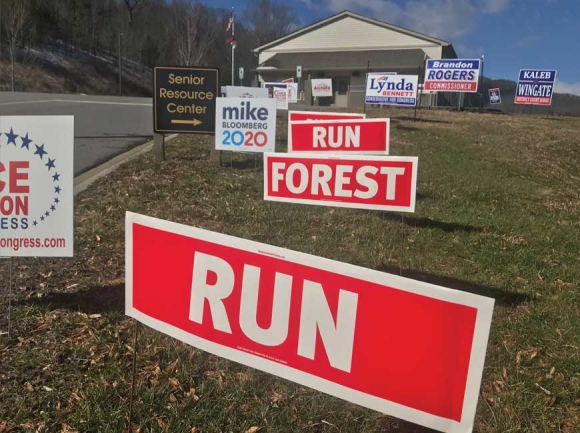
(355, 181)
(405, 348)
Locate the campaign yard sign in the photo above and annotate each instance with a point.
(292, 92)
(278, 91)
(245, 125)
(355, 136)
(321, 87)
(385, 183)
(402, 347)
(535, 87)
(36, 186)
(245, 92)
(494, 96)
(296, 115)
(452, 75)
(390, 89)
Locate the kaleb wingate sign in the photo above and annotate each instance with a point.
(184, 100)
(535, 87)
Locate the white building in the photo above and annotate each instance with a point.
(344, 47)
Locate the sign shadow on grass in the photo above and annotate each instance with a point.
(412, 119)
(502, 297)
(412, 221)
(96, 300)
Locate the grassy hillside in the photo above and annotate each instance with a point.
(69, 70)
(497, 214)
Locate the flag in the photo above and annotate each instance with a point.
(231, 39)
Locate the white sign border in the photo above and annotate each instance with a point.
(483, 305)
(338, 151)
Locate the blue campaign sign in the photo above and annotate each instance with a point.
(389, 89)
(452, 75)
(535, 87)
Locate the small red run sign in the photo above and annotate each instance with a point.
(405, 348)
(298, 116)
(354, 136)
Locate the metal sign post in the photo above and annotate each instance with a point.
(6, 303)
(299, 77)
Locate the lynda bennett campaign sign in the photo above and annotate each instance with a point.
(390, 89)
(36, 186)
(402, 347)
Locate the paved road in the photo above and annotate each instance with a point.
(105, 126)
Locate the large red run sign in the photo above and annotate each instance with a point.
(356, 181)
(356, 136)
(405, 348)
(294, 116)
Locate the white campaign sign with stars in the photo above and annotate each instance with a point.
(36, 186)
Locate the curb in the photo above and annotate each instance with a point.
(84, 180)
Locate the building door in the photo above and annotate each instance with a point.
(340, 86)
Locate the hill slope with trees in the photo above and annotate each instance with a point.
(89, 34)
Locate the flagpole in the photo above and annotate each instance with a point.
(233, 46)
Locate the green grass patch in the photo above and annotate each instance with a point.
(498, 213)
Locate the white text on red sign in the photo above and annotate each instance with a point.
(365, 182)
(356, 136)
(406, 348)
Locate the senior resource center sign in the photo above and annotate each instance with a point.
(185, 99)
(36, 186)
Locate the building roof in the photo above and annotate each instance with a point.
(345, 14)
(351, 60)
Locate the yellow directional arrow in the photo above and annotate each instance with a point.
(193, 122)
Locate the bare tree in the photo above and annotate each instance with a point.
(269, 20)
(131, 4)
(17, 14)
(194, 32)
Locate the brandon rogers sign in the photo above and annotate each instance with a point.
(185, 99)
